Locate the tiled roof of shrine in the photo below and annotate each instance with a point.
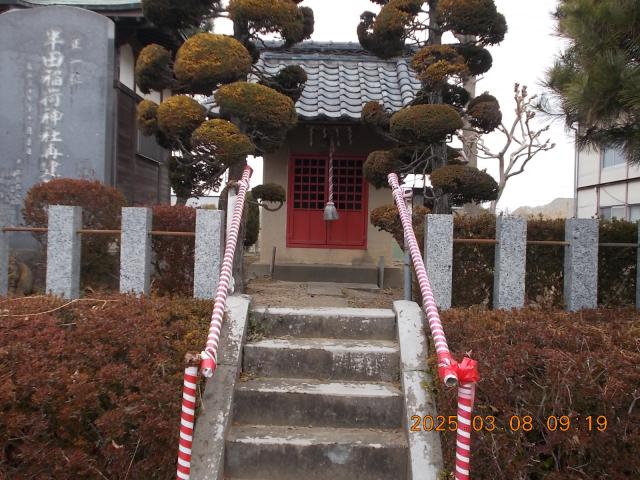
(342, 78)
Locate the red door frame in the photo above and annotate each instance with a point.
(290, 202)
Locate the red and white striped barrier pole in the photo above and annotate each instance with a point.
(452, 373)
(209, 357)
(187, 418)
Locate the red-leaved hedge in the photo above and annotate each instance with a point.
(547, 363)
(92, 390)
(101, 210)
(173, 256)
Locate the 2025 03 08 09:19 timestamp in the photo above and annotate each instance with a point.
(515, 423)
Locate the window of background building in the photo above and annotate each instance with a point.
(609, 213)
(612, 156)
(634, 213)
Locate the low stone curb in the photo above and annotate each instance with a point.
(215, 416)
(425, 451)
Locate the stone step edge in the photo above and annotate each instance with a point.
(316, 436)
(329, 388)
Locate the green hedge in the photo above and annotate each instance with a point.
(473, 265)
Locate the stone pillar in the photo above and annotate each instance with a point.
(208, 252)
(63, 251)
(510, 263)
(6, 217)
(581, 264)
(438, 252)
(135, 251)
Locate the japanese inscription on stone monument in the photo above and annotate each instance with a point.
(57, 98)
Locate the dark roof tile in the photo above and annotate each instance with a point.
(342, 78)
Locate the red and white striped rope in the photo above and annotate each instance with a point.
(187, 420)
(209, 357)
(331, 187)
(464, 374)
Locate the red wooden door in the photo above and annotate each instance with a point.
(308, 194)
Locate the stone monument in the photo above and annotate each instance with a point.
(57, 96)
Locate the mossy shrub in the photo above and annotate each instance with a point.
(269, 192)
(484, 113)
(174, 14)
(275, 16)
(465, 184)
(148, 117)
(473, 17)
(179, 116)
(378, 166)
(455, 95)
(208, 60)
(478, 59)
(154, 69)
(425, 123)
(375, 115)
(289, 81)
(259, 107)
(384, 34)
(224, 140)
(436, 63)
(387, 219)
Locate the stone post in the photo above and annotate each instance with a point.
(510, 263)
(63, 251)
(135, 251)
(208, 252)
(581, 264)
(5, 221)
(438, 252)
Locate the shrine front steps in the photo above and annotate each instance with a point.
(322, 394)
(323, 399)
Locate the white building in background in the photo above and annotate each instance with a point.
(606, 185)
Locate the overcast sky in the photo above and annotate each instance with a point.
(523, 57)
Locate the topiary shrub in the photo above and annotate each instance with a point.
(179, 116)
(174, 14)
(478, 59)
(223, 140)
(378, 166)
(473, 17)
(173, 258)
(289, 81)
(252, 222)
(387, 219)
(91, 390)
(260, 109)
(207, 60)
(154, 69)
(148, 117)
(434, 64)
(375, 115)
(276, 16)
(456, 96)
(269, 192)
(384, 34)
(484, 113)
(101, 210)
(425, 123)
(465, 184)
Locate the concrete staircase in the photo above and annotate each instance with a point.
(319, 398)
